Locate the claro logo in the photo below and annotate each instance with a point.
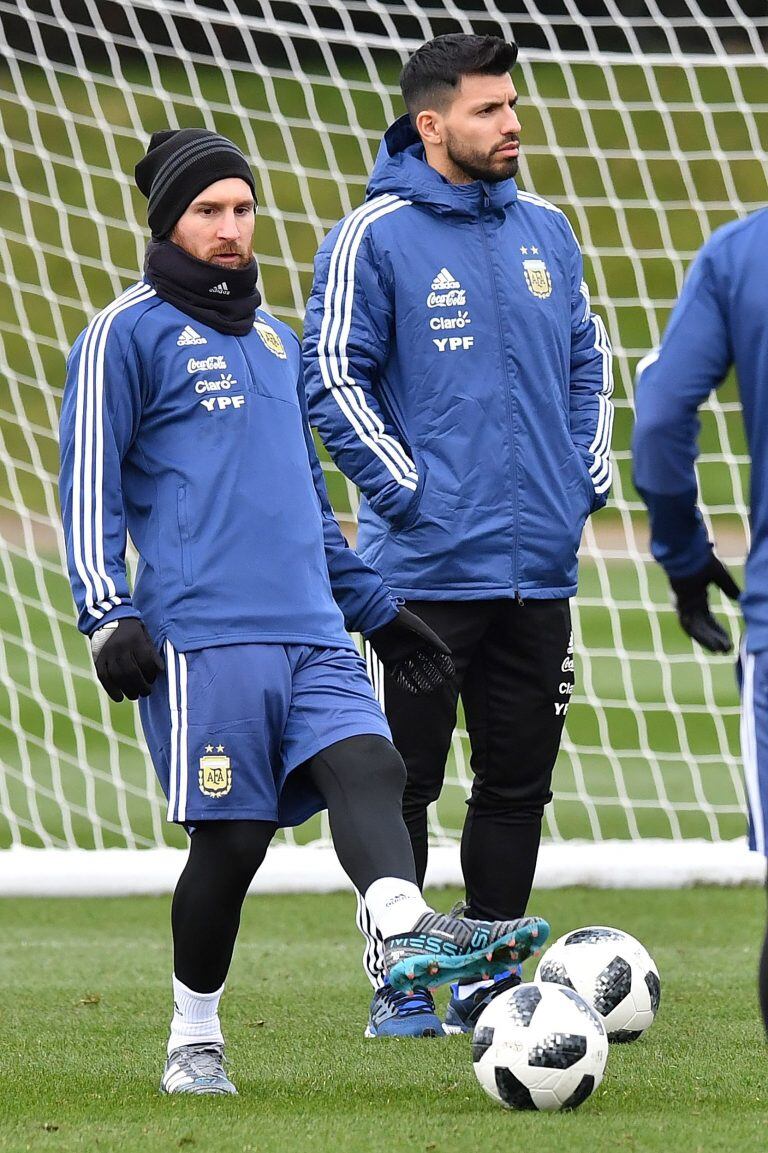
(224, 383)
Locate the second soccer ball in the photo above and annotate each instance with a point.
(612, 971)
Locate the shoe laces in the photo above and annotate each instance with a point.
(408, 1004)
(200, 1060)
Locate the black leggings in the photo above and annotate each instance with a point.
(514, 674)
(361, 779)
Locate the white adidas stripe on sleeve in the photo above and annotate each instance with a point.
(334, 334)
(601, 469)
(88, 472)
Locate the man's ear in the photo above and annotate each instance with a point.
(429, 126)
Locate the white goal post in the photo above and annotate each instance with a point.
(647, 123)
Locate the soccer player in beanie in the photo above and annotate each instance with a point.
(184, 424)
(456, 373)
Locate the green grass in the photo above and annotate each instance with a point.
(84, 1015)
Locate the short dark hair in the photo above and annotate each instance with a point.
(434, 72)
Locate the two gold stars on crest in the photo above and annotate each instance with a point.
(524, 250)
(219, 748)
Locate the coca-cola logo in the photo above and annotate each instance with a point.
(207, 364)
(453, 299)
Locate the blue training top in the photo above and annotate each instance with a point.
(198, 445)
(720, 320)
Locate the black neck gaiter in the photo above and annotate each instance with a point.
(223, 298)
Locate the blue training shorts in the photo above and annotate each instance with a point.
(753, 683)
(227, 727)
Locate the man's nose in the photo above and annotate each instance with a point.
(512, 122)
(228, 227)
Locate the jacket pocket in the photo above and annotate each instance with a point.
(182, 514)
(410, 516)
(585, 480)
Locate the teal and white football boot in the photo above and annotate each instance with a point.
(442, 948)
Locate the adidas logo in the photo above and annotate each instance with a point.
(444, 280)
(189, 336)
(222, 289)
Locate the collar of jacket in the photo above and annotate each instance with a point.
(401, 169)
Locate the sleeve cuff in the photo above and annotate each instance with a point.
(679, 540)
(89, 625)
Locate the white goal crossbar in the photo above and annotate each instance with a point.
(315, 868)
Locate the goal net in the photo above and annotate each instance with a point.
(645, 121)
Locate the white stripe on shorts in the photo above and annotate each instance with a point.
(183, 733)
(375, 673)
(749, 749)
(173, 707)
(178, 780)
(373, 953)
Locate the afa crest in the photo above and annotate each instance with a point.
(270, 339)
(537, 278)
(215, 774)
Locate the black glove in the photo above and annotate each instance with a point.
(415, 657)
(126, 660)
(693, 604)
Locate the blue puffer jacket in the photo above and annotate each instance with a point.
(457, 375)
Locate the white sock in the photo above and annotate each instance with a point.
(195, 1017)
(471, 987)
(395, 905)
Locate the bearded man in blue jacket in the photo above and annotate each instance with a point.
(720, 322)
(456, 373)
(184, 424)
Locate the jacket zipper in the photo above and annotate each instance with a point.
(182, 515)
(252, 385)
(508, 401)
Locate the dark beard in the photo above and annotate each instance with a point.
(476, 166)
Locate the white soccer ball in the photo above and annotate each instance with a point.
(539, 1047)
(612, 971)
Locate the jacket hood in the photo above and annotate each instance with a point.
(402, 170)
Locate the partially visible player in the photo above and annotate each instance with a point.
(184, 424)
(720, 321)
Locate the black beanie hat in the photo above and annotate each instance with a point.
(179, 164)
